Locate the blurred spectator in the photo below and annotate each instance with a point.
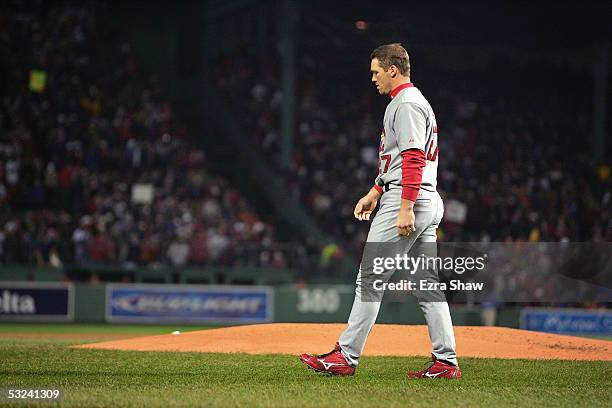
(505, 169)
(100, 249)
(76, 142)
(178, 252)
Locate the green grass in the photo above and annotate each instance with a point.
(68, 329)
(101, 378)
(595, 336)
(67, 334)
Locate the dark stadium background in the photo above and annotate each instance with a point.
(248, 130)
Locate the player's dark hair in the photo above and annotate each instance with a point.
(392, 54)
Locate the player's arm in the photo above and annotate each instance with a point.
(366, 204)
(410, 125)
(413, 163)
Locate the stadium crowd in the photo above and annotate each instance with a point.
(96, 169)
(83, 130)
(512, 168)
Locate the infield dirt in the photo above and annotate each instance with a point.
(385, 340)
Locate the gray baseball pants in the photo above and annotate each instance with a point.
(428, 211)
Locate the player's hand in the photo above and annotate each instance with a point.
(405, 222)
(365, 206)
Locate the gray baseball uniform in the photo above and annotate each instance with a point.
(409, 123)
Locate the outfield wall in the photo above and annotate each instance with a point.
(145, 303)
(204, 304)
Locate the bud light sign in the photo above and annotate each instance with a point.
(36, 301)
(188, 303)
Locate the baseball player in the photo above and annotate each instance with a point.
(410, 212)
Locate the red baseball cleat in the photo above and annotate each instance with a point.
(330, 363)
(437, 369)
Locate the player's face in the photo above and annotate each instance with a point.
(380, 77)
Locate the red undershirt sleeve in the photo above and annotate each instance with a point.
(378, 188)
(413, 162)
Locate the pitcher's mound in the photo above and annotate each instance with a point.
(385, 340)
